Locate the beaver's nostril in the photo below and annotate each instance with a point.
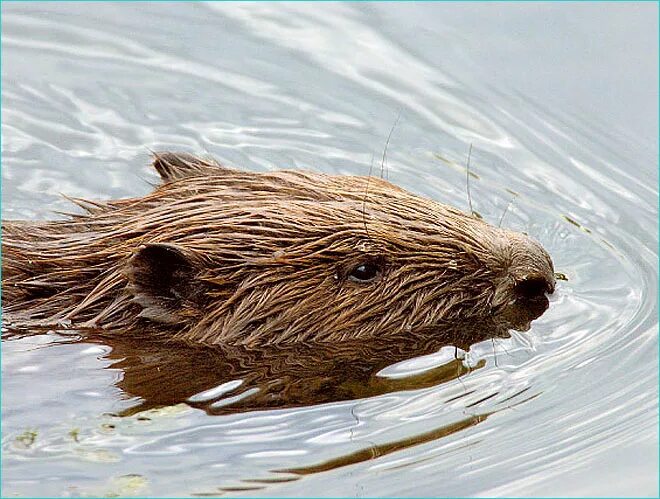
(532, 287)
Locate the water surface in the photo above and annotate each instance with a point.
(560, 104)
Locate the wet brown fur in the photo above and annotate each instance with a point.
(221, 256)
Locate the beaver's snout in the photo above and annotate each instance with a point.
(533, 288)
(528, 301)
(522, 296)
(531, 295)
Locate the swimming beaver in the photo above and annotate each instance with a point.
(220, 256)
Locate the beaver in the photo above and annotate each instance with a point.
(215, 255)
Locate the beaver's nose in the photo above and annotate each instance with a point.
(530, 297)
(533, 288)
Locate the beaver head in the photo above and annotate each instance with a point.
(216, 255)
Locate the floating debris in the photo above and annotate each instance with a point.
(27, 438)
(74, 434)
(573, 222)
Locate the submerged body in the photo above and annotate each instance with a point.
(219, 256)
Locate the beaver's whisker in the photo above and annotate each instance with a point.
(467, 179)
(387, 143)
(492, 342)
(506, 209)
(501, 346)
(458, 372)
(366, 194)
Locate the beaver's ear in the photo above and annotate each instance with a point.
(162, 280)
(171, 166)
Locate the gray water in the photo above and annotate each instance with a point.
(560, 103)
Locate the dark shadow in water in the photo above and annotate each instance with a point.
(223, 380)
(368, 453)
(383, 449)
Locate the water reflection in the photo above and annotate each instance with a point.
(224, 379)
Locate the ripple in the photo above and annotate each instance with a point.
(560, 408)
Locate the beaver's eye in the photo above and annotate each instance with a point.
(365, 272)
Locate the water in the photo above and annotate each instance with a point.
(559, 102)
